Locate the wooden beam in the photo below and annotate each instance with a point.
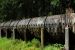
(42, 38)
(66, 38)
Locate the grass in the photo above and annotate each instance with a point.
(8, 44)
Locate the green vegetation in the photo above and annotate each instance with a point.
(8, 44)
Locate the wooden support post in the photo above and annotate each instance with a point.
(55, 29)
(42, 38)
(6, 32)
(25, 34)
(48, 29)
(13, 34)
(73, 28)
(0, 32)
(62, 23)
(66, 38)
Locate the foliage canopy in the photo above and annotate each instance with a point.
(18, 9)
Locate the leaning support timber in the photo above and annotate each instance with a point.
(0, 32)
(66, 38)
(42, 38)
(13, 34)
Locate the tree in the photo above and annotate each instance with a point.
(18, 9)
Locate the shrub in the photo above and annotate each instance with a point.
(35, 42)
(8, 44)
